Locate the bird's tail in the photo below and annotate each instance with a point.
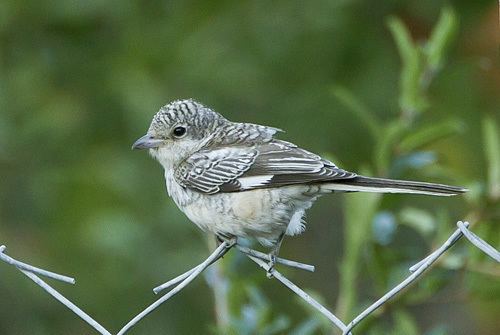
(380, 185)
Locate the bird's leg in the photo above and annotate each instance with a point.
(273, 254)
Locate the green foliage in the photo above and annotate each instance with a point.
(396, 142)
(421, 62)
(365, 115)
(491, 136)
(441, 37)
(411, 99)
(420, 220)
(427, 134)
(404, 324)
(357, 225)
(256, 317)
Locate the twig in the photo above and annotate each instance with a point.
(217, 280)
(297, 290)
(265, 257)
(261, 259)
(218, 253)
(419, 264)
(422, 266)
(478, 242)
(58, 296)
(31, 268)
(29, 271)
(246, 251)
(177, 279)
(174, 281)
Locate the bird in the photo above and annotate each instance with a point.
(237, 180)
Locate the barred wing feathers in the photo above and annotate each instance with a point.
(205, 171)
(289, 165)
(273, 164)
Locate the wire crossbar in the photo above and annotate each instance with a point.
(262, 260)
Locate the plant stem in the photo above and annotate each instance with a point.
(218, 282)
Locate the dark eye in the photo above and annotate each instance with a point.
(179, 131)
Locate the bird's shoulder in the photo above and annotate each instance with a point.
(241, 134)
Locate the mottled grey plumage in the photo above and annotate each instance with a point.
(236, 179)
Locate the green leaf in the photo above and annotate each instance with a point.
(348, 99)
(453, 261)
(404, 323)
(404, 42)
(441, 38)
(422, 221)
(475, 194)
(491, 138)
(277, 326)
(385, 145)
(307, 327)
(430, 133)
(411, 99)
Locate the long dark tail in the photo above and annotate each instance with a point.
(380, 185)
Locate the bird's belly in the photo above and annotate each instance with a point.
(264, 214)
(256, 213)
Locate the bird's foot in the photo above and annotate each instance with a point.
(231, 242)
(230, 239)
(270, 264)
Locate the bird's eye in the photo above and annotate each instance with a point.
(179, 131)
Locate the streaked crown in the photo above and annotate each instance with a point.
(188, 113)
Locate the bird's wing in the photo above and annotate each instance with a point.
(206, 170)
(273, 164)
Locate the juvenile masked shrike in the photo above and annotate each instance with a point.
(236, 180)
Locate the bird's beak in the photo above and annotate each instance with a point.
(147, 142)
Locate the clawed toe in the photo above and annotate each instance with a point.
(270, 264)
(229, 239)
(231, 242)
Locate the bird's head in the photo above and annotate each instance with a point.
(179, 129)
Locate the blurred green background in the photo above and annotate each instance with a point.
(402, 89)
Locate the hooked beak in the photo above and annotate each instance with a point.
(147, 142)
